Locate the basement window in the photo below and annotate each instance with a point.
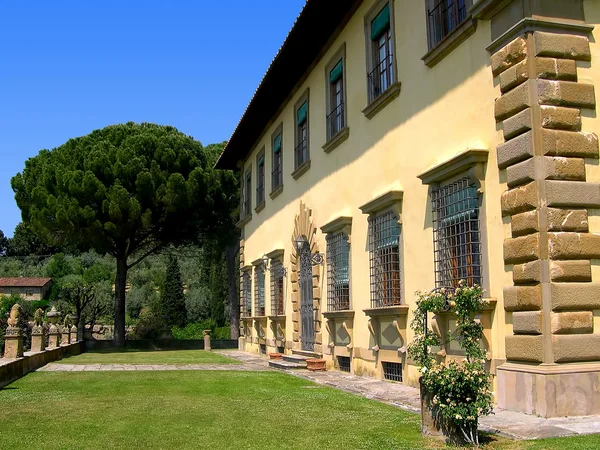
(392, 371)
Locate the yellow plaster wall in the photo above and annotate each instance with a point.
(440, 112)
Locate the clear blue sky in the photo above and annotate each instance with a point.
(68, 67)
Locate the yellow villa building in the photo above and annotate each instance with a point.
(396, 146)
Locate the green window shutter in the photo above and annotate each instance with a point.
(277, 143)
(302, 113)
(381, 22)
(336, 72)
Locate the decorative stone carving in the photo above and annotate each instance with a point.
(13, 345)
(38, 338)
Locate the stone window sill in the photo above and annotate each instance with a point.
(345, 314)
(276, 318)
(244, 221)
(301, 170)
(382, 101)
(259, 317)
(398, 310)
(336, 140)
(450, 42)
(260, 207)
(275, 192)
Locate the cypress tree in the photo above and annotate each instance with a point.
(172, 298)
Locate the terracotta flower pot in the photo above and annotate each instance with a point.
(316, 364)
(275, 356)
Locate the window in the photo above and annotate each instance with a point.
(338, 272)
(380, 49)
(246, 209)
(443, 17)
(456, 234)
(344, 363)
(259, 291)
(246, 303)
(392, 371)
(29, 293)
(277, 299)
(260, 178)
(301, 150)
(384, 250)
(335, 118)
(277, 162)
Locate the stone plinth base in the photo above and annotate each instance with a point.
(53, 338)
(550, 391)
(73, 335)
(13, 345)
(38, 343)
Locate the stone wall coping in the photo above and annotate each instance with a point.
(382, 202)
(398, 310)
(550, 369)
(456, 164)
(336, 224)
(529, 25)
(346, 314)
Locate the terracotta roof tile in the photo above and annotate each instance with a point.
(24, 282)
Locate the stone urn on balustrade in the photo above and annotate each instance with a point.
(53, 331)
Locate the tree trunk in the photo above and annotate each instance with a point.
(80, 321)
(232, 292)
(120, 282)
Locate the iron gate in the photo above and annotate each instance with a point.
(307, 328)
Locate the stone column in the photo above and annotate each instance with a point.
(13, 343)
(553, 354)
(207, 340)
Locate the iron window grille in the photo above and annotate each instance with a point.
(277, 173)
(259, 291)
(456, 234)
(277, 299)
(338, 272)
(263, 349)
(246, 302)
(260, 189)
(381, 78)
(246, 198)
(301, 153)
(392, 371)
(344, 363)
(335, 120)
(384, 249)
(445, 17)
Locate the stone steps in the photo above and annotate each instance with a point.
(296, 359)
(286, 365)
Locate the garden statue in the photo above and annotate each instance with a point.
(15, 312)
(13, 345)
(38, 317)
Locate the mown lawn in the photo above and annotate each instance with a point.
(216, 410)
(132, 356)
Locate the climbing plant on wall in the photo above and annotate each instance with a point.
(458, 392)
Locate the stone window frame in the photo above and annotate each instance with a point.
(276, 261)
(302, 168)
(259, 271)
(332, 142)
(391, 201)
(260, 190)
(246, 274)
(246, 197)
(470, 164)
(393, 90)
(343, 225)
(276, 190)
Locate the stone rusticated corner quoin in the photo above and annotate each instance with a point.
(548, 198)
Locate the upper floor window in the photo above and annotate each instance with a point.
(259, 291)
(277, 172)
(301, 151)
(380, 52)
(246, 297)
(338, 272)
(384, 253)
(335, 118)
(260, 178)
(456, 234)
(247, 194)
(443, 17)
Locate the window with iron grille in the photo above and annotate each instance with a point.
(384, 250)
(338, 272)
(344, 363)
(301, 151)
(246, 303)
(263, 349)
(277, 172)
(277, 299)
(335, 118)
(381, 75)
(456, 234)
(443, 17)
(392, 371)
(259, 291)
(260, 178)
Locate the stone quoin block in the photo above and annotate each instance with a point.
(568, 245)
(567, 219)
(573, 193)
(509, 55)
(571, 270)
(565, 93)
(516, 150)
(519, 199)
(569, 144)
(576, 347)
(524, 348)
(530, 272)
(524, 223)
(512, 102)
(522, 249)
(556, 69)
(527, 322)
(560, 118)
(554, 168)
(566, 46)
(518, 124)
(576, 322)
(523, 298)
(575, 296)
(514, 76)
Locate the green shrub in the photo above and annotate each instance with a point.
(196, 331)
